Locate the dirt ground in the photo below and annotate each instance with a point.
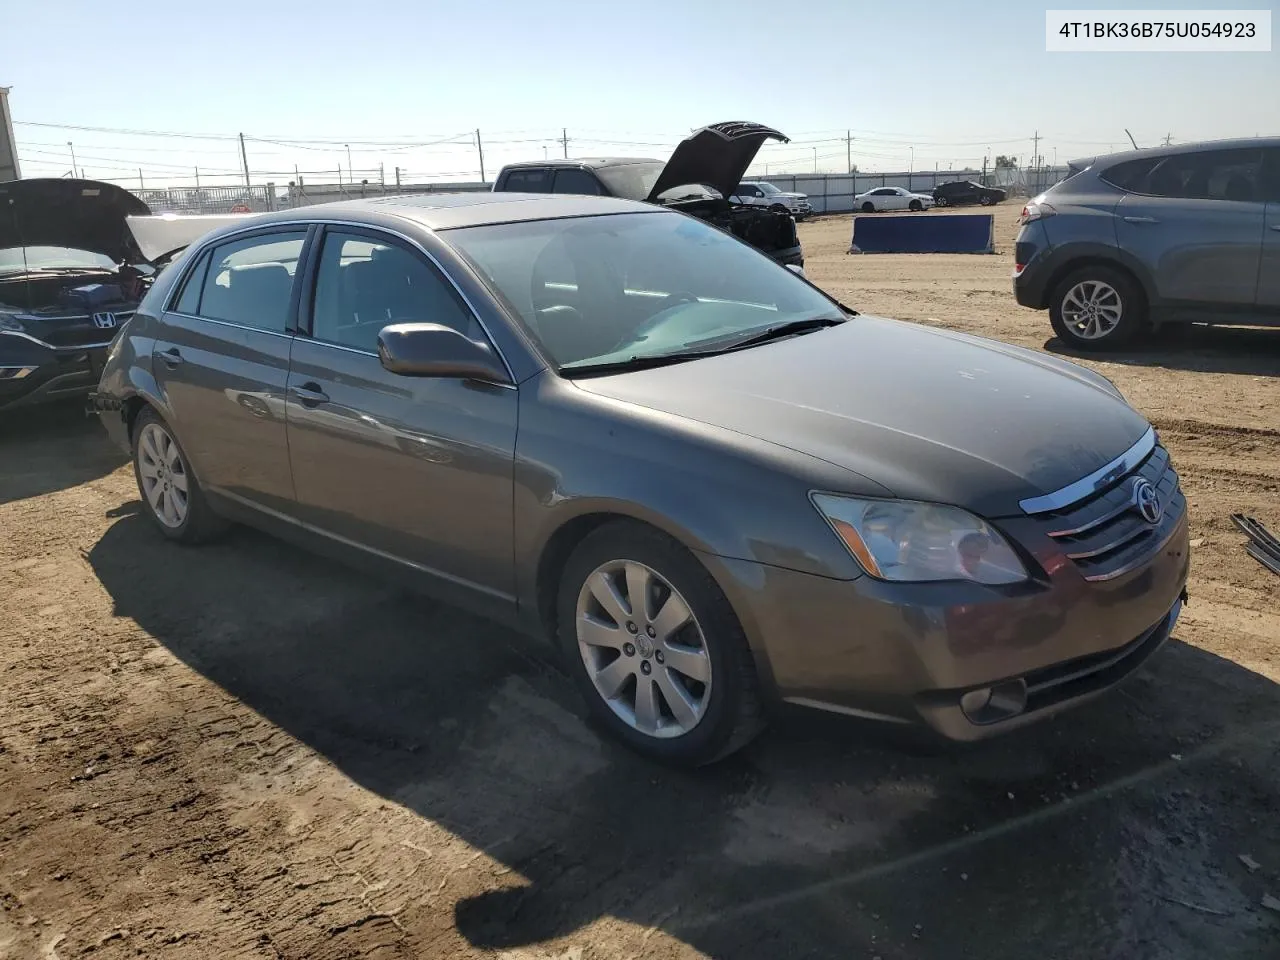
(243, 751)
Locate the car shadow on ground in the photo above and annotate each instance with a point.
(1251, 351)
(52, 447)
(1087, 836)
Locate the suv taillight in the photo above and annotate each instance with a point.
(1036, 211)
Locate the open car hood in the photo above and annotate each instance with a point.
(80, 214)
(716, 156)
(162, 236)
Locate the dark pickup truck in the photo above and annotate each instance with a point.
(701, 176)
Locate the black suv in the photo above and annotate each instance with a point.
(703, 172)
(959, 193)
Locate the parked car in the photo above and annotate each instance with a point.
(1144, 238)
(714, 486)
(762, 193)
(961, 193)
(70, 274)
(891, 198)
(698, 179)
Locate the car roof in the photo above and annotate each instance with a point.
(447, 211)
(1240, 143)
(593, 162)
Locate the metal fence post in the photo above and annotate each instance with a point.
(271, 195)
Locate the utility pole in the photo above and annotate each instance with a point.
(848, 150)
(382, 173)
(244, 158)
(72, 148)
(351, 174)
(1035, 151)
(141, 185)
(564, 139)
(1168, 139)
(480, 148)
(397, 178)
(815, 159)
(197, 178)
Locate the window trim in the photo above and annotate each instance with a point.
(1262, 161)
(204, 255)
(555, 177)
(549, 171)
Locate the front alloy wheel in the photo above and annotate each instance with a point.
(643, 649)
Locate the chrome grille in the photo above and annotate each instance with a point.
(1105, 535)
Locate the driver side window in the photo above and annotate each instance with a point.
(364, 284)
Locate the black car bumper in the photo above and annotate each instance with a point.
(37, 374)
(792, 256)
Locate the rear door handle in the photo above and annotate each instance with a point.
(172, 357)
(310, 395)
(1141, 220)
(1275, 226)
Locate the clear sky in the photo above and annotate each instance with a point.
(916, 83)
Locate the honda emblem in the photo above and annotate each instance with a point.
(104, 321)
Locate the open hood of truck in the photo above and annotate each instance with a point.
(716, 156)
(79, 214)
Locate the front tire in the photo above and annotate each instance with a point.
(915, 206)
(1097, 308)
(171, 495)
(655, 648)
(868, 207)
(986, 200)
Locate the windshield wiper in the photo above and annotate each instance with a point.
(778, 331)
(635, 363)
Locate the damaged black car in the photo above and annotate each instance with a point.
(703, 173)
(70, 274)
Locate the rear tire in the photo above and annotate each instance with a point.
(171, 494)
(986, 200)
(868, 207)
(1097, 308)
(719, 714)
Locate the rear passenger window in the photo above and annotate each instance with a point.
(249, 282)
(364, 284)
(573, 180)
(528, 181)
(1208, 175)
(1130, 175)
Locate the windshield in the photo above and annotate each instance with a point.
(612, 289)
(631, 181)
(50, 258)
(769, 188)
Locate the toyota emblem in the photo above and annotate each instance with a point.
(1147, 501)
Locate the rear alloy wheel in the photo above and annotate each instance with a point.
(868, 207)
(655, 647)
(986, 200)
(1097, 308)
(171, 495)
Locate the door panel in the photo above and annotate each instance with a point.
(1269, 274)
(224, 381)
(417, 468)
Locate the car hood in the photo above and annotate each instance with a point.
(925, 413)
(160, 237)
(80, 214)
(716, 156)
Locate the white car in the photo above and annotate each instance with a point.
(761, 193)
(891, 198)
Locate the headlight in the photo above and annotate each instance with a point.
(917, 542)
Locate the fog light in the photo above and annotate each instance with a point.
(993, 704)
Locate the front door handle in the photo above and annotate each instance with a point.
(310, 395)
(172, 357)
(1141, 220)
(1275, 226)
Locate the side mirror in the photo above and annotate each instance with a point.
(432, 350)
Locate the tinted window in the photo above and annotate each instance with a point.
(1270, 183)
(362, 285)
(189, 300)
(1207, 175)
(885, 192)
(248, 282)
(528, 181)
(573, 180)
(1130, 175)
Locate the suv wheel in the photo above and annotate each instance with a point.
(939, 201)
(1097, 308)
(655, 647)
(171, 495)
(779, 208)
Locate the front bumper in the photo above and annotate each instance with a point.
(33, 374)
(910, 653)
